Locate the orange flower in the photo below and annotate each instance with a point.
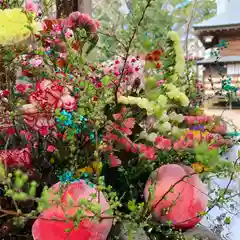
(199, 168)
(61, 63)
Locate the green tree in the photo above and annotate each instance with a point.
(117, 24)
(192, 12)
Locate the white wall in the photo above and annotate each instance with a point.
(221, 6)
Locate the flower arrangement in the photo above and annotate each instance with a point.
(89, 147)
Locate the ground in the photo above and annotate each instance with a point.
(232, 116)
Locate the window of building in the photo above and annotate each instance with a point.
(233, 69)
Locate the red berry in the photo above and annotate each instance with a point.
(5, 92)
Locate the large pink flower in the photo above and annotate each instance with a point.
(16, 157)
(47, 94)
(50, 95)
(88, 229)
(78, 19)
(179, 195)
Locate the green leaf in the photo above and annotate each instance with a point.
(227, 220)
(132, 205)
(106, 80)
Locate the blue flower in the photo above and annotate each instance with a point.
(89, 183)
(67, 177)
(83, 119)
(92, 136)
(197, 128)
(85, 175)
(49, 52)
(66, 118)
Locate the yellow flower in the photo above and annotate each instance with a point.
(180, 61)
(200, 168)
(52, 160)
(15, 26)
(91, 169)
(198, 133)
(173, 36)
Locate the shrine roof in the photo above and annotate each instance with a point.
(227, 59)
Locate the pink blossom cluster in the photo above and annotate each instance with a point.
(133, 73)
(30, 6)
(190, 139)
(199, 85)
(191, 120)
(199, 121)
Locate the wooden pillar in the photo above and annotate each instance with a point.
(85, 6)
(65, 7)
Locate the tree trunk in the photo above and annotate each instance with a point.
(85, 6)
(65, 7)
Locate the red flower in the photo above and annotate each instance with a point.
(11, 130)
(5, 93)
(126, 131)
(98, 85)
(163, 143)
(148, 152)
(26, 73)
(16, 157)
(160, 82)
(59, 135)
(127, 143)
(44, 131)
(179, 145)
(78, 19)
(110, 137)
(51, 148)
(129, 123)
(158, 65)
(117, 116)
(61, 62)
(27, 135)
(114, 160)
(21, 88)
